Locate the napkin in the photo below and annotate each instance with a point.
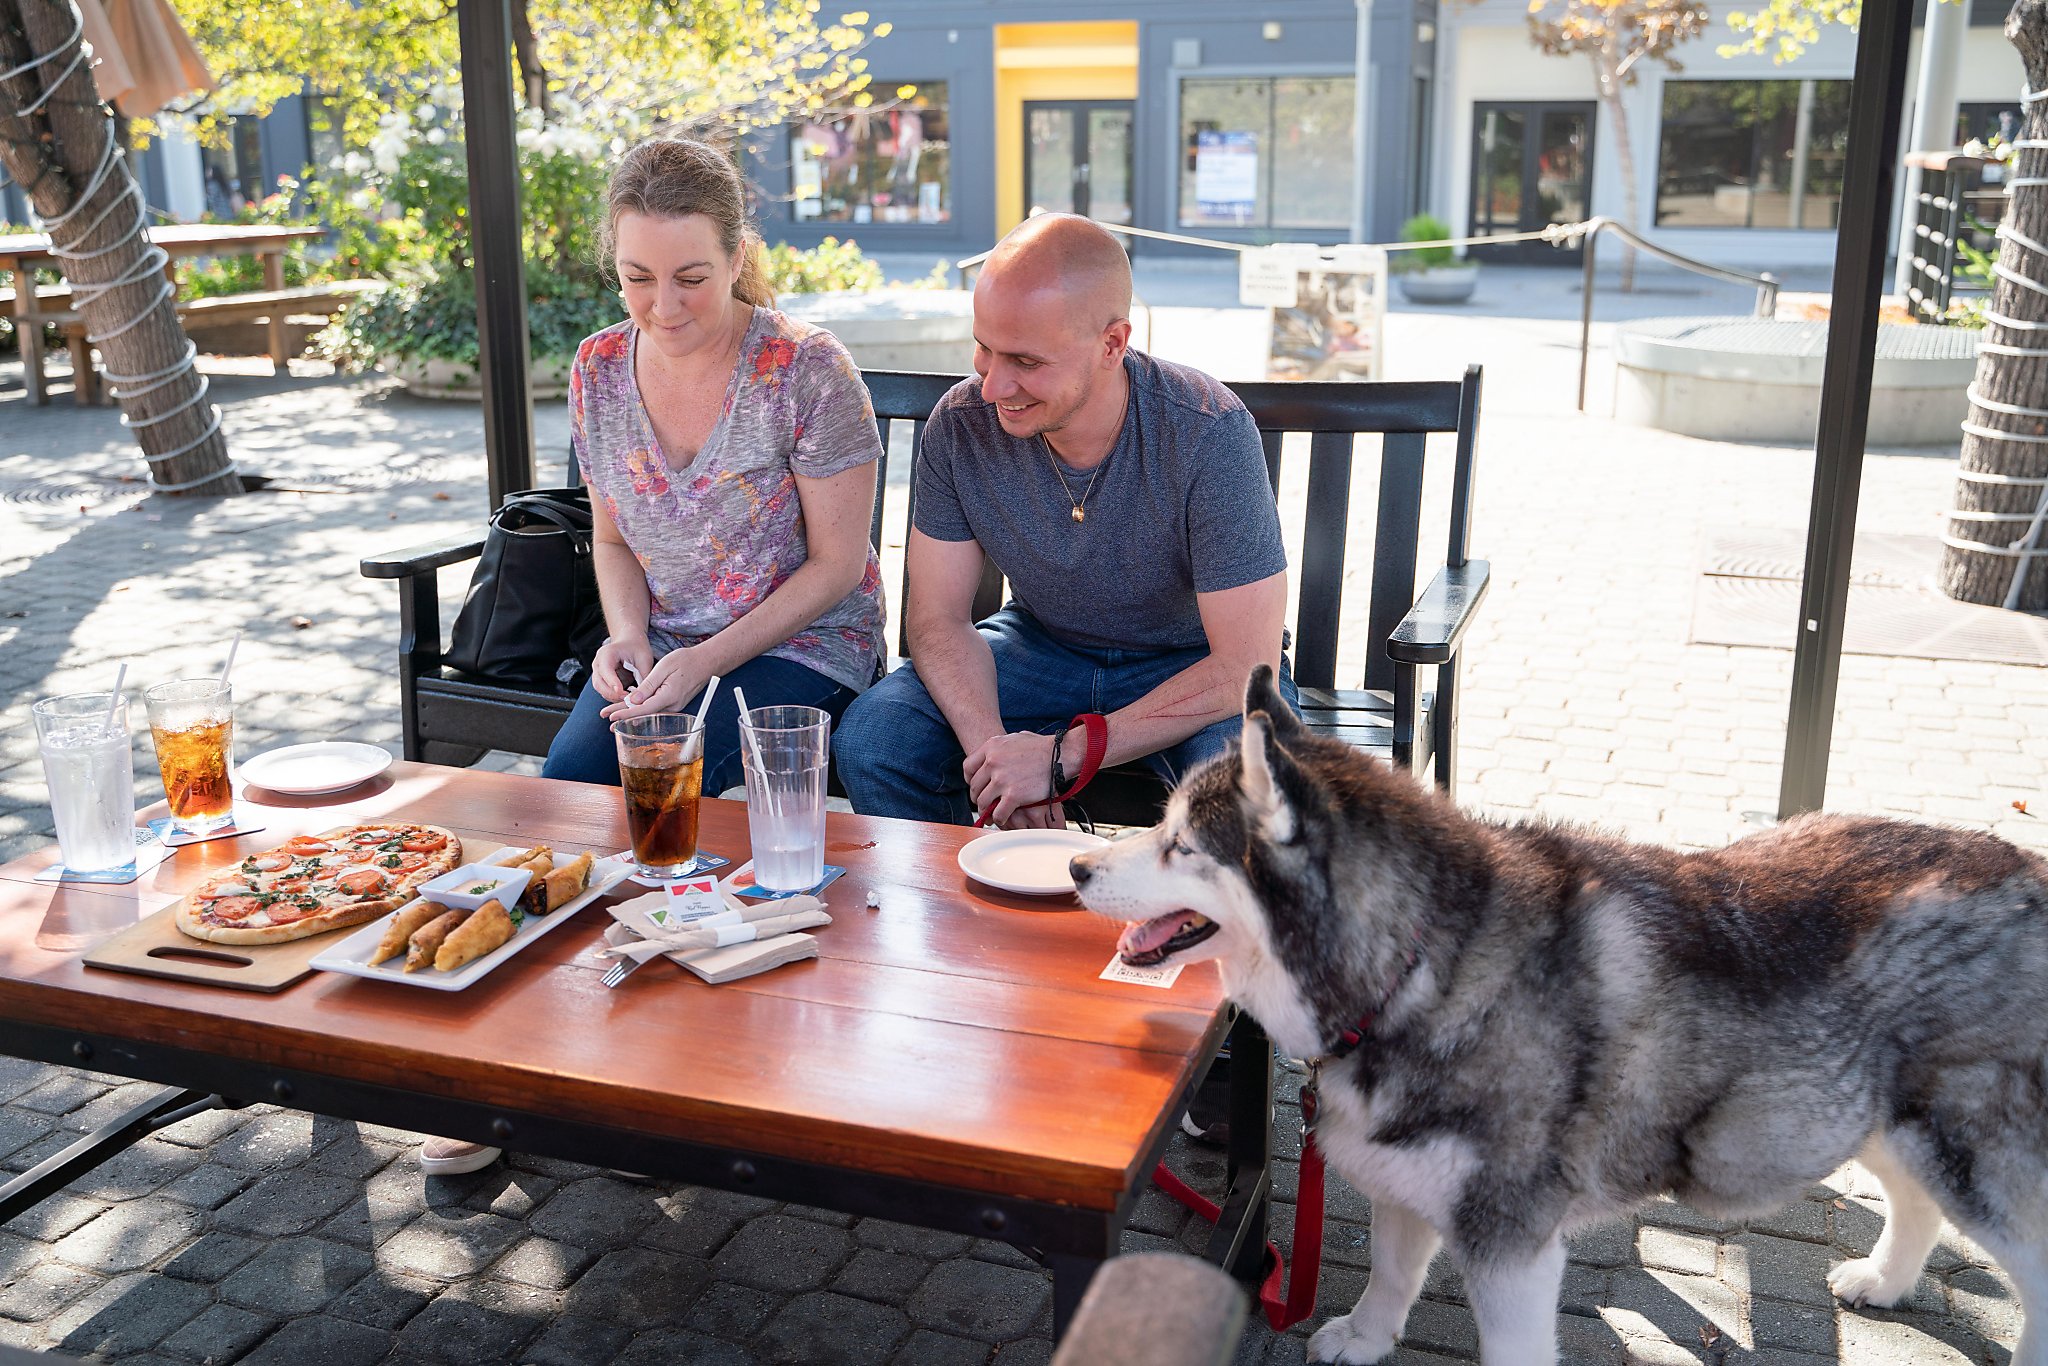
(707, 946)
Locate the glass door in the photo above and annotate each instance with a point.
(1532, 165)
(1077, 158)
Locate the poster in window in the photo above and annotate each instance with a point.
(1226, 174)
(1336, 328)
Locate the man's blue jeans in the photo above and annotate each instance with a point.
(897, 756)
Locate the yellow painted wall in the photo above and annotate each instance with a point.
(1083, 61)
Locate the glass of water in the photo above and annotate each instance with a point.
(90, 769)
(786, 750)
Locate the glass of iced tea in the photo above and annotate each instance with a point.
(661, 768)
(192, 722)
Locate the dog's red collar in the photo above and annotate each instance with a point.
(1349, 1039)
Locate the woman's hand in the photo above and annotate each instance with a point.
(679, 676)
(633, 655)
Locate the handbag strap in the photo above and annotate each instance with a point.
(563, 516)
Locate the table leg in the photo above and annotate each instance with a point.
(52, 1174)
(1071, 1274)
(273, 279)
(1238, 1244)
(29, 336)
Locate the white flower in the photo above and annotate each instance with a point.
(436, 136)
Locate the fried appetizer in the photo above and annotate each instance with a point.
(483, 931)
(402, 926)
(428, 938)
(567, 883)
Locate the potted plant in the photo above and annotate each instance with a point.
(1432, 275)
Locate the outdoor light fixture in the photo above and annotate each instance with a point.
(1271, 31)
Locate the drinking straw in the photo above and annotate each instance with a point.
(233, 645)
(704, 706)
(120, 677)
(754, 744)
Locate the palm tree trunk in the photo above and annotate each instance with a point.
(2005, 452)
(57, 151)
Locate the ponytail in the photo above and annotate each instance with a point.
(751, 285)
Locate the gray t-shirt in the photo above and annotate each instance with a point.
(1180, 507)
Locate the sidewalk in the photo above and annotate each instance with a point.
(266, 1236)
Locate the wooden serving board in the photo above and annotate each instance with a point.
(156, 947)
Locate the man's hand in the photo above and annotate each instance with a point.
(677, 678)
(617, 658)
(1008, 772)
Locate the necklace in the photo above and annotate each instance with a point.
(1081, 504)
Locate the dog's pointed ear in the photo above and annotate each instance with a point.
(1262, 693)
(1263, 778)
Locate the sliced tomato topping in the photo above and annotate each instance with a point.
(270, 863)
(286, 911)
(233, 908)
(362, 882)
(407, 863)
(373, 836)
(292, 882)
(303, 845)
(424, 844)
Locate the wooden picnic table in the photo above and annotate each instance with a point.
(24, 253)
(952, 1059)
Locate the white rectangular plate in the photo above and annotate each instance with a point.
(352, 954)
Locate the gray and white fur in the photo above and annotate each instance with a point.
(1566, 1025)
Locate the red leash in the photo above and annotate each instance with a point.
(1286, 1302)
(1096, 728)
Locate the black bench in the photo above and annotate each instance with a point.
(450, 717)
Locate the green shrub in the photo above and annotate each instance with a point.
(433, 317)
(1423, 228)
(830, 266)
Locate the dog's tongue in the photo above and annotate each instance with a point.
(1142, 936)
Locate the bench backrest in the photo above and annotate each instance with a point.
(1332, 414)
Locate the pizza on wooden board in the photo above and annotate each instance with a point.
(315, 883)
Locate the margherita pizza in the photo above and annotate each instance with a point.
(316, 883)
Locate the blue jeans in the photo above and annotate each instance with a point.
(584, 752)
(898, 756)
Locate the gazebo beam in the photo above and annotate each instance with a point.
(491, 137)
(1876, 109)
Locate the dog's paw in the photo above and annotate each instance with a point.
(1861, 1285)
(1347, 1342)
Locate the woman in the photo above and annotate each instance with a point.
(730, 453)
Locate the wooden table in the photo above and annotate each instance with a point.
(952, 1059)
(24, 253)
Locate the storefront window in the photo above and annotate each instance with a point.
(888, 164)
(233, 174)
(325, 144)
(1260, 152)
(1752, 154)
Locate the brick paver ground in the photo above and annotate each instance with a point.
(267, 1236)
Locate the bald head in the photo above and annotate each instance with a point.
(1067, 256)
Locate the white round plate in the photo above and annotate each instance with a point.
(1033, 862)
(324, 766)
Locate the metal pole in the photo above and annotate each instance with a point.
(1934, 115)
(1586, 308)
(1361, 127)
(1876, 102)
(494, 219)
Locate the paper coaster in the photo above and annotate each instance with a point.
(741, 883)
(149, 852)
(1162, 976)
(244, 823)
(703, 863)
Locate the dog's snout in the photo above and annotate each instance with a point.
(1080, 869)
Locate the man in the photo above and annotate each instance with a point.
(1125, 499)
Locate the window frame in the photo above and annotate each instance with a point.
(1755, 155)
(838, 226)
(1176, 102)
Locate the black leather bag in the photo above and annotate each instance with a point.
(531, 616)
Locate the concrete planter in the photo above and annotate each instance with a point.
(1439, 284)
(895, 329)
(1748, 379)
(423, 377)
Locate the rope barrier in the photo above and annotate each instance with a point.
(149, 264)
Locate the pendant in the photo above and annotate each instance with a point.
(1080, 515)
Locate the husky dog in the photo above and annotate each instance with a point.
(1525, 1029)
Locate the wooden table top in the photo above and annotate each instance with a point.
(955, 1034)
(179, 239)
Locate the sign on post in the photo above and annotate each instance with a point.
(1326, 308)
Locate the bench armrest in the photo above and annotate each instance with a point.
(1429, 634)
(424, 559)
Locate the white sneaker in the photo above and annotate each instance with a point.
(448, 1157)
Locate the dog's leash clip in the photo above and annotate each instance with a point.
(1311, 1096)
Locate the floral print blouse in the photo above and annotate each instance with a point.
(718, 536)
